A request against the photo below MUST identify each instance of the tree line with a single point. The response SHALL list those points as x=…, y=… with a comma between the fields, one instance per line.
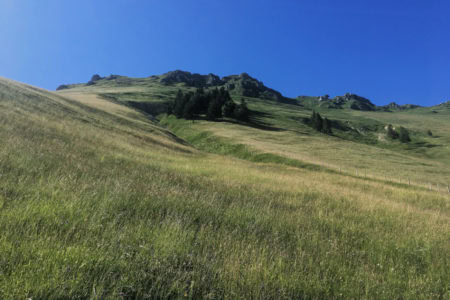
x=215, y=104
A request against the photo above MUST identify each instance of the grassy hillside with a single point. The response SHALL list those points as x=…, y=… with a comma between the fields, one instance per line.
x=100, y=200
x=359, y=144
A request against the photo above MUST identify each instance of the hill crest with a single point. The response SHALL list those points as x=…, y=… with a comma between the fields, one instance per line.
x=247, y=86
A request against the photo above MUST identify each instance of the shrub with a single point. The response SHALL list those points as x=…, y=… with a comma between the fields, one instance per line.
x=404, y=135
x=327, y=126
x=391, y=133
x=316, y=121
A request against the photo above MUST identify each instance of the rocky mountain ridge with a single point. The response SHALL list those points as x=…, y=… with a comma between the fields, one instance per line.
x=242, y=84
x=247, y=86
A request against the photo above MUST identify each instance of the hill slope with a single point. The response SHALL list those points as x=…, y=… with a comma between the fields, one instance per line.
x=359, y=139
x=98, y=200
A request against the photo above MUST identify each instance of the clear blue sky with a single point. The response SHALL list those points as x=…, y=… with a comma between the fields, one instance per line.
x=392, y=50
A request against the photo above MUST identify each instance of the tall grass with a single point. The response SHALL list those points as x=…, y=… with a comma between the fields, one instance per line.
x=97, y=205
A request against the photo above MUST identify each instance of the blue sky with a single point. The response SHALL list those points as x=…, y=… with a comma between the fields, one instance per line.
x=383, y=50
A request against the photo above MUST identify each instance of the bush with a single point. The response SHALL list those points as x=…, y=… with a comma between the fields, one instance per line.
x=316, y=121
x=327, y=126
x=404, y=135
x=320, y=124
x=391, y=133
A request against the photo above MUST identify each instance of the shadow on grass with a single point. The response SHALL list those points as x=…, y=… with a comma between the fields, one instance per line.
x=256, y=121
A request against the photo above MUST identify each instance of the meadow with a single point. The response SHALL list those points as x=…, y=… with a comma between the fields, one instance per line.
x=101, y=201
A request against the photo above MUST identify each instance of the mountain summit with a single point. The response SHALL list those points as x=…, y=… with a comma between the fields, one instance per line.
x=242, y=84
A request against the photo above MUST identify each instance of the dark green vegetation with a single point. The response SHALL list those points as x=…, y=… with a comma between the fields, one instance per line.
x=98, y=199
x=402, y=134
x=320, y=124
x=213, y=104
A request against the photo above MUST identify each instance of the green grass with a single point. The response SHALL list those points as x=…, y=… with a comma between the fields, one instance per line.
x=98, y=201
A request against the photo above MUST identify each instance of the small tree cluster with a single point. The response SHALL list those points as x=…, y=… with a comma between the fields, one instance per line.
x=214, y=104
x=320, y=124
x=391, y=133
x=402, y=134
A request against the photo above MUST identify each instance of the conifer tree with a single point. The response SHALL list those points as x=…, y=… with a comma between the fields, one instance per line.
x=242, y=112
x=214, y=109
x=316, y=121
x=319, y=122
x=190, y=108
x=228, y=109
x=170, y=109
x=313, y=119
x=404, y=135
x=200, y=91
x=180, y=102
x=391, y=133
x=327, y=126
x=175, y=103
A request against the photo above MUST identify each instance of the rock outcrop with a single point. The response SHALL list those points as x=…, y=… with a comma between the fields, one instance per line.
x=62, y=87
x=247, y=86
x=354, y=101
x=242, y=84
x=94, y=79
x=194, y=80
x=394, y=106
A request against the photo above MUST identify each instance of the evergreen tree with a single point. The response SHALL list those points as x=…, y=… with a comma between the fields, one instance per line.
x=317, y=121
x=175, y=107
x=180, y=102
x=213, y=94
x=327, y=126
x=170, y=109
x=203, y=103
x=313, y=119
x=214, y=104
x=242, y=112
x=228, y=109
x=222, y=90
x=214, y=109
x=225, y=95
x=391, y=133
x=200, y=91
x=190, y=108
x=320, y=124
x=404, y=135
